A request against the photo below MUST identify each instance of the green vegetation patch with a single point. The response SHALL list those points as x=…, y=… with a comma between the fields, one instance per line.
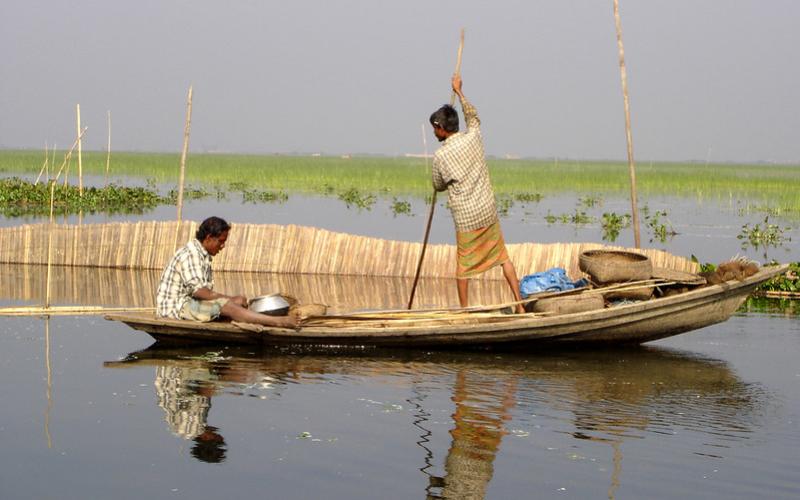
x=19, y=197
x=786, y=282
x=767, y=188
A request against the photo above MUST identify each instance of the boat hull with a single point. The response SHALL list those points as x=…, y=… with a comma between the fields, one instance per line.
x=634, y=323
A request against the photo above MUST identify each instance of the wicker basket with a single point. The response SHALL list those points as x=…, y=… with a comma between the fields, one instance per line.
x=569, y=304
x=613, y=266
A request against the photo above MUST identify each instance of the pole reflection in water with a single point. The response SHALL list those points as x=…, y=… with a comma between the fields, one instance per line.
x=605, y=397
x=49, y=390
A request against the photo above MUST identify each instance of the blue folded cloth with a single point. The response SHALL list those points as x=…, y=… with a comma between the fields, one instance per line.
x=552, y=280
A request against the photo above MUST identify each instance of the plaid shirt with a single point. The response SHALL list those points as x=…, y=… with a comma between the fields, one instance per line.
x=186, y=412
x=460, y=167
x=188, y=271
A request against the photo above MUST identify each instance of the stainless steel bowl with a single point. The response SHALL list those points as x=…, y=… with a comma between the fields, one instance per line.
x=273, y=304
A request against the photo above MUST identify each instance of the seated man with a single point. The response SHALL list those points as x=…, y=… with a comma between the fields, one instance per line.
x=186, y=288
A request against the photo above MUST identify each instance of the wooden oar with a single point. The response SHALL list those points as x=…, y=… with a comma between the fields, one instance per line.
x=433, y=197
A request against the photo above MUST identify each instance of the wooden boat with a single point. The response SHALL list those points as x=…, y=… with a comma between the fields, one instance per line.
x=626, y=323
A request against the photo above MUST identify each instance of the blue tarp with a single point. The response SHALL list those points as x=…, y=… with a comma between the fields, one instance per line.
x=552, y=280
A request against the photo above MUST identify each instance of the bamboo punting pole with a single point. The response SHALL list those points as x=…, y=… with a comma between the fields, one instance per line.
x=628, y=135
x=422, y=252
x=433, y=196
x=80, y=154
x=458, y=65
x=428, y=225
x=108, y=155
x=186, y=130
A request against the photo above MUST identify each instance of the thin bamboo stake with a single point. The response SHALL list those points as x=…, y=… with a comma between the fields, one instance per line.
x=44, y=165
x=186, y=130
x=628, y=135
x=80, y=154
x=53, y=161
x=50, y=227
x=49, y=245
x=108, y=155
x=66, y=171
x=68, y=156
x=69, y=310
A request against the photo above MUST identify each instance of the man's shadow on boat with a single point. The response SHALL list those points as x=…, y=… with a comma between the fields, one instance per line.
x=611, y=395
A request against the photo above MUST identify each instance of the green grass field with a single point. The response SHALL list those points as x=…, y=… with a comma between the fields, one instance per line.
x=773, y=187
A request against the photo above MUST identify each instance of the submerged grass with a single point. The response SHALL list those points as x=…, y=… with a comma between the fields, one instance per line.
x=760, y=187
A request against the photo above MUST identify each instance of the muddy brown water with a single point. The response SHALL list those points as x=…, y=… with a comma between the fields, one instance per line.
x=92, y=409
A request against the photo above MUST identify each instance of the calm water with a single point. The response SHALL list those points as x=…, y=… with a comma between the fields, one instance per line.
x=92, y=410
x=707, y=228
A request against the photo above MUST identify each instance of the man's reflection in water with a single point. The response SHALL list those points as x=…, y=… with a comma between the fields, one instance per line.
x=185, y=396
x=482, y=405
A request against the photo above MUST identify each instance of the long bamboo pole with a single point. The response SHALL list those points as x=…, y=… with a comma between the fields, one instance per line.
x=80, y=154
x=433, y=196
x=458, y=65
x=44, y=165
x=50, y=227
x=53, y=161
x=628, y=135
x=427, y=226
x=69, y=310
x=108, y=155
x=186, y=129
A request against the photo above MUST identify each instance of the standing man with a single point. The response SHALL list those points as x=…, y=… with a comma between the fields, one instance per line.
x=459, y=167
x=187, y=291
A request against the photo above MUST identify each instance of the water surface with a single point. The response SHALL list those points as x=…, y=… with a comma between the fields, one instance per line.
x=92, y=409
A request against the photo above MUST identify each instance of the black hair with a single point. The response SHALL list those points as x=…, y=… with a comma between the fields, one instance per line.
x=213, y=226
x=209, y=446
x=446, y=118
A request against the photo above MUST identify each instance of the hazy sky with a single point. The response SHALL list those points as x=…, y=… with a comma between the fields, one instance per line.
x=708, y=79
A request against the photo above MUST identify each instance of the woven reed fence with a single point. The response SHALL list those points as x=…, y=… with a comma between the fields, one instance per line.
x=108, y=287
x=272, y=248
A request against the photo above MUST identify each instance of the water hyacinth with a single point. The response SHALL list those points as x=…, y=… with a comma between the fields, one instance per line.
x=19, y=198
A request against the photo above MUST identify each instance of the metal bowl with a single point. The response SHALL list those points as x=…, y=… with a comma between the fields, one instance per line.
x=273, y=305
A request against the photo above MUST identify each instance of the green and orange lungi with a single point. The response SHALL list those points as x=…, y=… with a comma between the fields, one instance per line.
x=480, y=250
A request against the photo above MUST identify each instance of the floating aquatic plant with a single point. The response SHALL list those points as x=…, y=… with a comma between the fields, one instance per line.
x=612, y=224
x=401, y=207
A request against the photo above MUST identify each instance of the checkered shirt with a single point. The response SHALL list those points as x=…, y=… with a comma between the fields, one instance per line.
x=460, y=167
x=188, y=271
x=186, y=412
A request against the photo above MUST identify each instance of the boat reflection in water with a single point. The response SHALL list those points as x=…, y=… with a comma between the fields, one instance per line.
x=602, y=396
